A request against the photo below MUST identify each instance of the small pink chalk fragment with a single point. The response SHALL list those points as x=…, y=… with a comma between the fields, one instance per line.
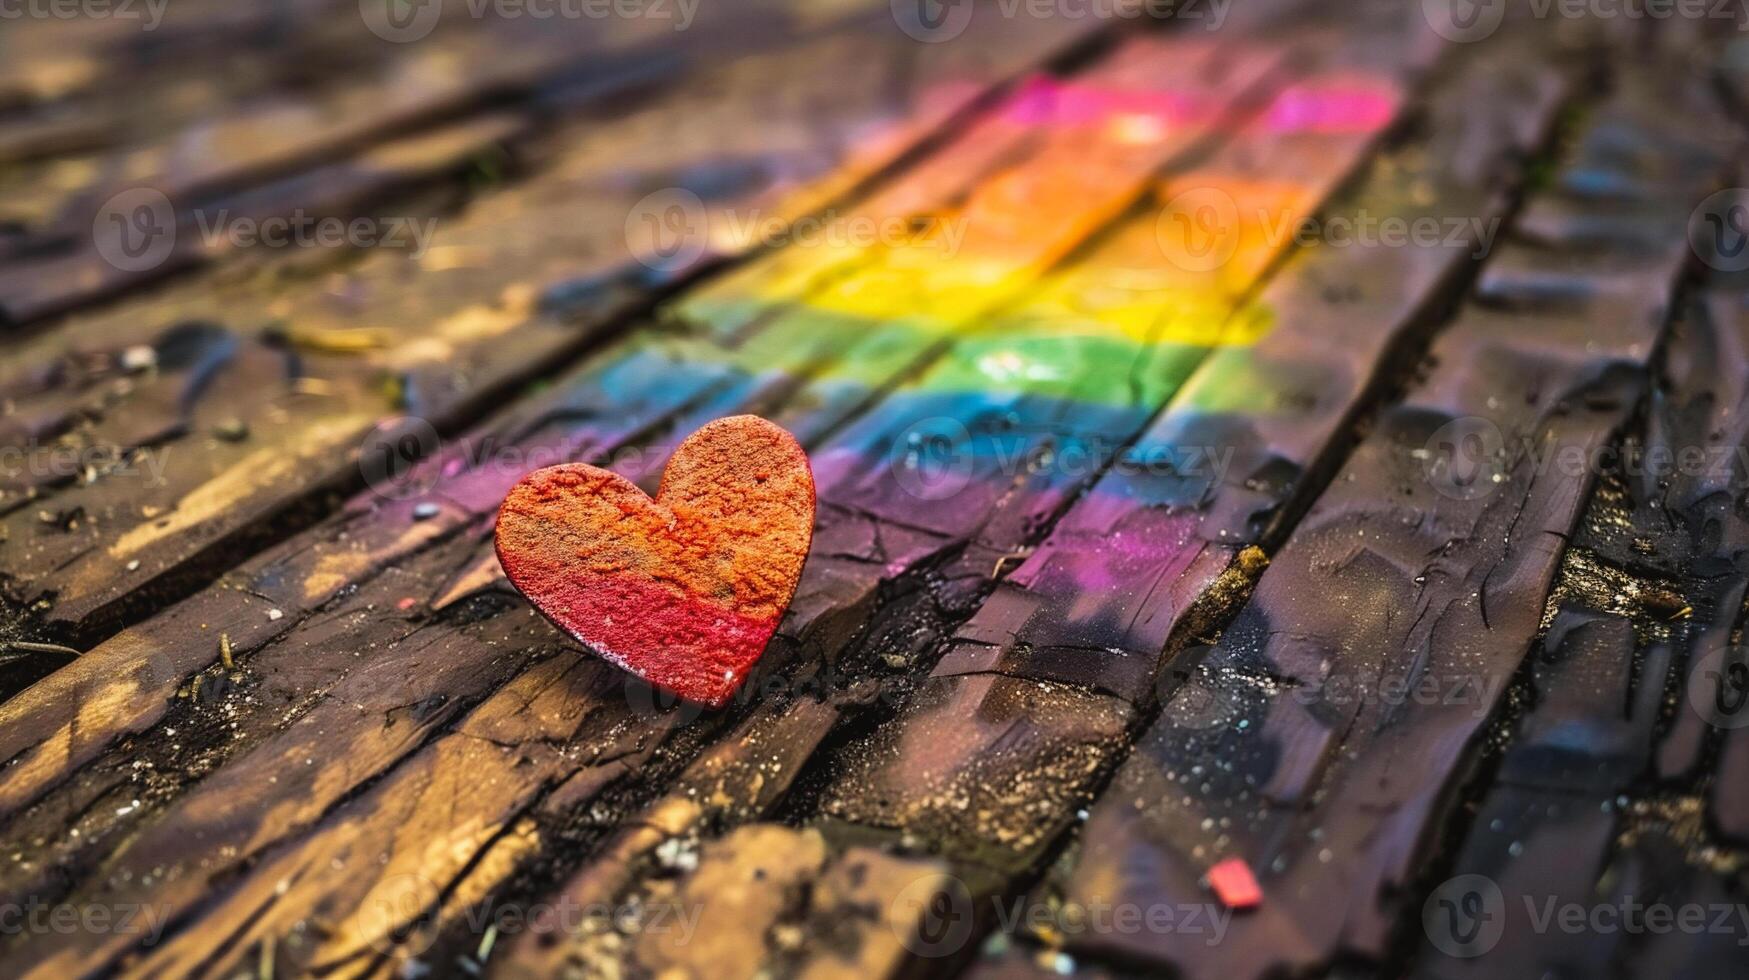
x=1234, y=884
x=406, y=603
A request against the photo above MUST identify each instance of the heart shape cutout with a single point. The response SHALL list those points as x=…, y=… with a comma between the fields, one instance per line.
x=683, y=590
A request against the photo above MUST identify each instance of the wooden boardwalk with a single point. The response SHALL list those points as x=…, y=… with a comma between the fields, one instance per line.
x=1311, y=436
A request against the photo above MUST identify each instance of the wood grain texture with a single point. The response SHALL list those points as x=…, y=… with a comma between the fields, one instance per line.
x=267, y=389
x=1626, y=680
x=624, y=394
x=1441, y=587
x=1172, y=507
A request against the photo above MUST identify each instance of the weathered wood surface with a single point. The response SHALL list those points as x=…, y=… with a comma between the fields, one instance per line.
x=1422, y=568
x=1141, y=490
x=1632, y=668
x=643, y=391
x=243, y=153
x=308, y=368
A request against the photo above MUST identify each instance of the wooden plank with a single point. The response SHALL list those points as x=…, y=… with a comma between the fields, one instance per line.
x=313, y=368
x=1045, y=626
x=46, y=280
x=46, y=61
x=1572, y=813
x=212, y=159
x=751, y=771
x=997, y=696
x=274, y=112
x=1439, y=580
x=1714, y=585
x=633, y=376
x=598, y=411
x=361, y=754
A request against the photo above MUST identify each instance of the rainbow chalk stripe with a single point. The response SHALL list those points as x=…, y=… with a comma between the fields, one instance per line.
x=1052, y=319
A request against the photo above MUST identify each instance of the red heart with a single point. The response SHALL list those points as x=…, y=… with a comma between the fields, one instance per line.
x=684, y=590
